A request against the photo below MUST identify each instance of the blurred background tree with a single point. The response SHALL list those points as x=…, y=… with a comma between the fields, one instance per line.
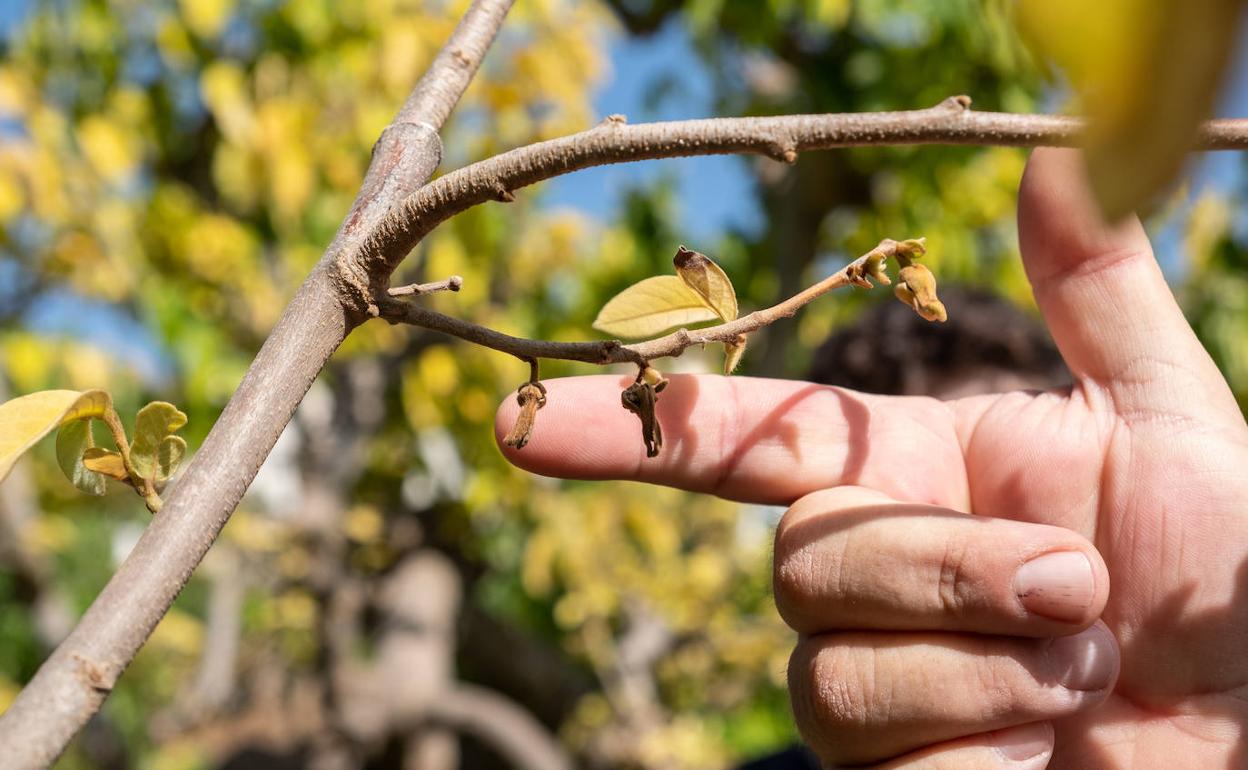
x=391, y=592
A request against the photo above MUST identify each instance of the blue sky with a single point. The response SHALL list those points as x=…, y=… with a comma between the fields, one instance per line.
x=715, y=191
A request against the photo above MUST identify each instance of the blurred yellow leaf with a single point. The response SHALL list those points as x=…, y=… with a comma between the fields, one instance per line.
x=173, y=42
x=179, y=632
x=206, y=17
x=439, y=372
x=832, y=13
x=224, y=87
x=8, y=691
x=12, y=196
x=26, y=419
x=1147, y=72
x=110, y=151
x=364, y=524
x=1210, y=220
x=50, y=533
x=652, y=306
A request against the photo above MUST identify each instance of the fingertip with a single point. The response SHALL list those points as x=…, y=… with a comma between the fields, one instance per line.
x=1059, y=222
x=1029, y=745
x=1022, y=747
x=1086, y=664
x=1069, y=585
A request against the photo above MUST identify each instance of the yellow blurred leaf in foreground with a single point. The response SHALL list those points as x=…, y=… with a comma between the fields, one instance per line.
x=1146, y=72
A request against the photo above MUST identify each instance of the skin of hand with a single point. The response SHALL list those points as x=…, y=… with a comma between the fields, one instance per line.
x=1019, y=580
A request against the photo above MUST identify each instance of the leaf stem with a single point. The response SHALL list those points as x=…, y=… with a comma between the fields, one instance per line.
x=145, y=488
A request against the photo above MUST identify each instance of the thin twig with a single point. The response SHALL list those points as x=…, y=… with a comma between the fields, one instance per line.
x=454, y=283
x=72, y=683
x=780, y=138
x=615, y=352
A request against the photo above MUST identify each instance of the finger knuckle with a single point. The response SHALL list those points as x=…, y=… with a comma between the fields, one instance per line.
x=811, y=579
x=810, y=573
x=955, y=587
x=839, y=697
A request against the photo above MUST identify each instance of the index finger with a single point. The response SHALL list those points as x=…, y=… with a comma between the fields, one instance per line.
x=748, y=439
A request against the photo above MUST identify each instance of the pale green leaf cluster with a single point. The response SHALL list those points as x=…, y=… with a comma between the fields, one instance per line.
x=153, y=457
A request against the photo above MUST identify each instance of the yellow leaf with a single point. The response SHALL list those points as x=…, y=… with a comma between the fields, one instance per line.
x=1147, y=72
x=106, y=462
x=26, y=419
x=709, y=280
x=652, y=306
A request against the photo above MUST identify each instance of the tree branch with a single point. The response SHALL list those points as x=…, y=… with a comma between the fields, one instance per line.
x=780, y=138
x=72, y=683
x=450, y=284
x=501, y=724
x=616, y=352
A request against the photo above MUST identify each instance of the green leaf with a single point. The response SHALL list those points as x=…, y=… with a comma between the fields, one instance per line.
x=169, y=457
x=652, y=306
x=74, y=440
x=25, y=420
x=700, y=273
x=156, y=452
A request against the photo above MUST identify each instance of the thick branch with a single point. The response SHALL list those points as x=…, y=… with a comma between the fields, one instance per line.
x=616, y=352
x=442, y=85
x=781, y=138
x=409, y=149
x=71, y=685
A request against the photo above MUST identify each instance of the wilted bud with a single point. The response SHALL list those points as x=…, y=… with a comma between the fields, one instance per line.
x=640, y=399
x=917, y=288
x=531, y=396
x=732, y=353
x=654, y=378
x=912, y=248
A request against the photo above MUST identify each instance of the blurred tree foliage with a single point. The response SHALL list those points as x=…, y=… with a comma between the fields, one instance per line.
x=184, y=163
x=1215, y=289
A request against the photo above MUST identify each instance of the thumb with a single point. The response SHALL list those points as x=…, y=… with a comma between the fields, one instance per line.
x=1106, y=302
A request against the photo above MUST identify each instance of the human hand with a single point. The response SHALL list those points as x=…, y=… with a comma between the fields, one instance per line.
x=948, y=566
